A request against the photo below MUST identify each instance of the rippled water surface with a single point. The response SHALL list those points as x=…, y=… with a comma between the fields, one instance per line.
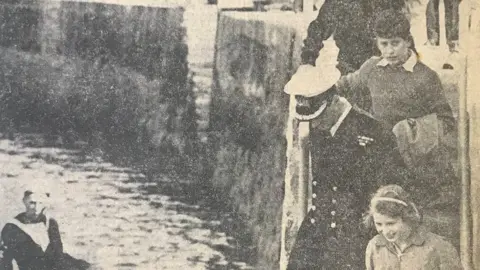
x=115, y=217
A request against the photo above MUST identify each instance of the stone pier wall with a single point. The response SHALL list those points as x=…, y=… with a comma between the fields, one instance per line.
x=117, y=71
x=255, y=56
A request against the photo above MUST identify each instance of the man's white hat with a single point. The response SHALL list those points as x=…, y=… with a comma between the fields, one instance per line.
x=310, y=81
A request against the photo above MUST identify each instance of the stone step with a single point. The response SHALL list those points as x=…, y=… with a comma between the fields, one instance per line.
x=202, y=71
x=200, y=21
x=203, y=82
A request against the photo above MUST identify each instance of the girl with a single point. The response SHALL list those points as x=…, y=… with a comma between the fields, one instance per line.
x=402, y=242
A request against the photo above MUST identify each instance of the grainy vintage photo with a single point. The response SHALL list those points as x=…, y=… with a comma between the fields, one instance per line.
x=239, y=134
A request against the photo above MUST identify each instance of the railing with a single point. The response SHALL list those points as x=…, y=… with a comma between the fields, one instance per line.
x=305, y=6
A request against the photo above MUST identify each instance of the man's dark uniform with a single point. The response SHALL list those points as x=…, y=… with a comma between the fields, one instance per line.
x=351, y=22
x=29, y=255
x=345, y=173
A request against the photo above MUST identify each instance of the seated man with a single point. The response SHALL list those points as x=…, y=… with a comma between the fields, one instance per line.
x=33, y=239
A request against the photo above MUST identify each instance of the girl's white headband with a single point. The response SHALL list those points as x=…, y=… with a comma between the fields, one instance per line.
x=388, y=199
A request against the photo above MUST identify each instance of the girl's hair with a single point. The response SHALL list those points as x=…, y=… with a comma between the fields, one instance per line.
x=393, y=201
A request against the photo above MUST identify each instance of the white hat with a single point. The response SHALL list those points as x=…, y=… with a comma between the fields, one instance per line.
x=310, y=81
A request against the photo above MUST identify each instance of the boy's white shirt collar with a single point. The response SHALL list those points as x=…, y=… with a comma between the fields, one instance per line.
x=408, y=65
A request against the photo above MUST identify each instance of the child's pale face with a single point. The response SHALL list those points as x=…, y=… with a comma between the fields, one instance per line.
x=393, y=229
x=394, y=50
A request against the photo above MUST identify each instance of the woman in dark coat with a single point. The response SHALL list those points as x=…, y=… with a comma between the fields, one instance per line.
x=33, y=240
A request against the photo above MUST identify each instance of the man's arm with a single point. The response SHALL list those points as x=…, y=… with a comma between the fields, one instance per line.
x=319, y=30
x=353, y=86
x=55, y=238
x=6, y=256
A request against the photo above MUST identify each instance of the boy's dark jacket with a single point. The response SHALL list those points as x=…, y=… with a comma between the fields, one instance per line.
x=351, y=22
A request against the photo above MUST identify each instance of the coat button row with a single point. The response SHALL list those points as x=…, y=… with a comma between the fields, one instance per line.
x=313, y=208
x=315, y=184
x=333, y=225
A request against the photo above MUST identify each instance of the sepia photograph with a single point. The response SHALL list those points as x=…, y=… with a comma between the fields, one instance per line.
x=239, y=134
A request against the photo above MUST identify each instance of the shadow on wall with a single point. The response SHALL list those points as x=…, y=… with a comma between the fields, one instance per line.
x=109, y=107
x=247, y=152
x=19, y=22
x=145, y=39
x=241, y=117
x=116, y=76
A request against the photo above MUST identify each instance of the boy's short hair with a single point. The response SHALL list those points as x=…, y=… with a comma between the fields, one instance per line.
x=392, y=24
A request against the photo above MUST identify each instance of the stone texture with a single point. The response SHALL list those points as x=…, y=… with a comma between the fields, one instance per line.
x=89, y=54
x=149, y=40
x=248, y=121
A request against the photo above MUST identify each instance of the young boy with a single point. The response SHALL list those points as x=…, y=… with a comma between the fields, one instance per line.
x=398, y=85
x=408, y=97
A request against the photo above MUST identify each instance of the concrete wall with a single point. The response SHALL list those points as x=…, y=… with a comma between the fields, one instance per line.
x=254, y=59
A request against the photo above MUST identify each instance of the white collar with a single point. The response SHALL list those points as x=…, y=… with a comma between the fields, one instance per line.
x=408, y=65
x=37, y=231
x=342, y=117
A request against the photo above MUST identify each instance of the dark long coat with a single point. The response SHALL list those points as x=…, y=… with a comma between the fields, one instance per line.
x=352, y=22
x=345, y=174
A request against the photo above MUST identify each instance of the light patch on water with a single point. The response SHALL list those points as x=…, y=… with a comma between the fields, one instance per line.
x=107, y=219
